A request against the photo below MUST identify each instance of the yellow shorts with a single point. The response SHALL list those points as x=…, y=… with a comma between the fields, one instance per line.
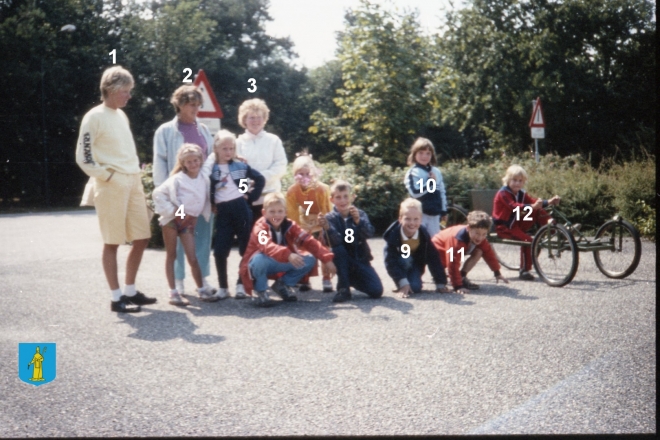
x=121, y=208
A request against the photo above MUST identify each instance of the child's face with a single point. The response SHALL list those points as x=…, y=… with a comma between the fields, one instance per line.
x=192, y=163
x=224, y=151
x=423, y=157
x=304, y=177
x=516, y=183
x=275, y=214
x=342, y=201
x=477, y=235
x=410, y=221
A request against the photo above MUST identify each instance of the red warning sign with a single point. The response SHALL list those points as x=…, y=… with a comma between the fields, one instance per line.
x=537, y=120
x=210, y=107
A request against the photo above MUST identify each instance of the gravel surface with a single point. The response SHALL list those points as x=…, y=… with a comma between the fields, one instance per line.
x=516, y=358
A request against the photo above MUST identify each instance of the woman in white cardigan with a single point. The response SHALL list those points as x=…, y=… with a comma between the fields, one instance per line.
x=169, y=137
x=263, y=151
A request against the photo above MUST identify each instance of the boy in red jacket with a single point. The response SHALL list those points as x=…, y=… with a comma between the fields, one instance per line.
x=515, y=212
x=279, y=248
x=466, y=244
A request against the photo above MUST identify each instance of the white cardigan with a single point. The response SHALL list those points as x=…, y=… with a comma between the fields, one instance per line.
x=166, y=201
x=265, y=153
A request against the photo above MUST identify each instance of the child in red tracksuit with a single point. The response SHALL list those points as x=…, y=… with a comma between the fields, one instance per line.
x=515, y=212
x=466, y=245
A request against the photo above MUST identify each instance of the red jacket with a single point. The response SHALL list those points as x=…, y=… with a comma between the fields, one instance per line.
x=459, y=238
x=505, y=202
x=297, y=241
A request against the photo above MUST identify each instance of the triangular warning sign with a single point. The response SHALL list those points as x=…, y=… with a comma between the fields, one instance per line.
x=537, y=120
x=210, y=107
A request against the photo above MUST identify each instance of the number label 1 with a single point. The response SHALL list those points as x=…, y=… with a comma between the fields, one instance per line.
x=309, y=206
x=262, y=237
x=114, y=56
x=450, y=251
x=429, y=188
x=243, y=188
x=179, y=213
x=405, y=250
x=349, y=238
x=187, y=78
x=527, y=209
x=253, y=83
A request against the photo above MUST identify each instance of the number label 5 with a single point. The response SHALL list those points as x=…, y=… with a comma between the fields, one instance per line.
x=243, y=188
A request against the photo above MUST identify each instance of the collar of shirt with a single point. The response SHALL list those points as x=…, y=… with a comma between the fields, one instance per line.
x=404, y=237
x=253, y=137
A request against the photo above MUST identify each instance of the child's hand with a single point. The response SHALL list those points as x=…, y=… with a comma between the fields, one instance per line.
x=554, y=201
x=353, y=211
x=537, y=205
x=444, y=218
x=241, y=158
x=322, y=221
x=214, y=208
x=405, y=291
x=330, y=268
x=297, y=260
x=501, y=278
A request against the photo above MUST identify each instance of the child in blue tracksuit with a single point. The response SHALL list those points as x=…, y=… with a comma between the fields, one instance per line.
x=408, y=249
x=231, y=201
x=424, y=182
x=347, y=228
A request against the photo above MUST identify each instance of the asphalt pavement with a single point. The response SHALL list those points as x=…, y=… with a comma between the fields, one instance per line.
x=507, y=359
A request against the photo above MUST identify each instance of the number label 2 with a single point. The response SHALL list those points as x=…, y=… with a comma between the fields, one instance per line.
x=527, y=209
x=187, y=78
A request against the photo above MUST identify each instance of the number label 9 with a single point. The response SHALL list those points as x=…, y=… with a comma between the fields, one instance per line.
x=263, y=237
x=405, y=250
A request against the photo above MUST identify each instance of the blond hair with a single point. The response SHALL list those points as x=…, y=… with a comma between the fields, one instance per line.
x=113, y=79
x=185, y=151
x=252, y=105
x=422, y=144
x=514, y=171
x=409, y=203
x=479, y=220
x=274, y=199
x=340, y=186
x=185, y=94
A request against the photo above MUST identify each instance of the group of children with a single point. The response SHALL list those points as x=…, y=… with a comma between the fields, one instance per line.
x=317, y=222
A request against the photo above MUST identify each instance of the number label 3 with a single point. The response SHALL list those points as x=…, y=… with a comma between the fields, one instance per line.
x=253, y=83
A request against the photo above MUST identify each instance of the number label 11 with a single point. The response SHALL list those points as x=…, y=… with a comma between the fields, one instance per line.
x=450, y=251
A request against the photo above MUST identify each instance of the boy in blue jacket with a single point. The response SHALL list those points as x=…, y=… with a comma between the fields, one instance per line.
x=408, y=250
x=347, y=228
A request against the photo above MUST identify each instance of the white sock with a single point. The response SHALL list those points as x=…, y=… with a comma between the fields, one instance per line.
x=173, y=291
x=129, y=290
x=205, y=283
x=179, y=285
x=116, y=294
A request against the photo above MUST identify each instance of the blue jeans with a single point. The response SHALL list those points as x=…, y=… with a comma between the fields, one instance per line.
x=261, y=266
x=354, y=273
x=413, y=274
x=203, y=233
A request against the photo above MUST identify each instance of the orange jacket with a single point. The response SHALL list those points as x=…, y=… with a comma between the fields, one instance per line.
x=297, y=241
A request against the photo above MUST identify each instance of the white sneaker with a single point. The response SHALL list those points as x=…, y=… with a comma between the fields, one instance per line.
x=327, y=286
x=177, y=300
x=240, y=292
x=221, y=293
x=178, y=285
x=206, y=294
x=206, y=284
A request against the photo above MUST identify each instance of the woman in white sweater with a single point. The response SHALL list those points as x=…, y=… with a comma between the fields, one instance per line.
x=263, y=151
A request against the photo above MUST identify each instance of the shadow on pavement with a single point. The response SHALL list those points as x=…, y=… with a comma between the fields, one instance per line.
x=164, y=326
x=606, y=284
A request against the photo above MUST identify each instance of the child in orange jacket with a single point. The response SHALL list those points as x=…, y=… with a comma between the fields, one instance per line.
x=466, y=245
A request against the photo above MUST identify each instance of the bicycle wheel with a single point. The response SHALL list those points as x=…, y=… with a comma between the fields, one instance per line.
x=456, y=215
x=623, y=258
x=507, y=254
x=555, y=255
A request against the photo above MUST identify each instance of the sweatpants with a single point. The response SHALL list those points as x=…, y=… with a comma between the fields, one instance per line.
x=232, y=218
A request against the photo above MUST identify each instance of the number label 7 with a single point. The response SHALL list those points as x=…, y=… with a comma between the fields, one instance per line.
x=308, y=207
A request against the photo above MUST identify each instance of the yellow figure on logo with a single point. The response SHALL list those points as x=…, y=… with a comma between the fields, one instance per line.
x=37, y=373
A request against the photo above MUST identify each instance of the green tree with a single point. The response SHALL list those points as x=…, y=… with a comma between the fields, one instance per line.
x=591, y=62
x=385, y=65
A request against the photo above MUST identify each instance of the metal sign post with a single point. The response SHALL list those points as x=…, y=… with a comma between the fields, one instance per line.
x=537, y=124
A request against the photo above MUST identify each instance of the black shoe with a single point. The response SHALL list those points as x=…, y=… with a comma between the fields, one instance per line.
x=470, y=285
x=526, y=276
x=123, y=306
x=263, y=300
x=305, y=287
x=140, y=299
x=283, y=291
x=342, y=295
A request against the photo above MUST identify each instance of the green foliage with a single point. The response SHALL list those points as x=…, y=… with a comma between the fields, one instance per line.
x=633, y=188
x=646, y=220
x=384, y=65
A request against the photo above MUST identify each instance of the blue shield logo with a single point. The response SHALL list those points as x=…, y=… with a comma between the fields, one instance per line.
x=37, y=362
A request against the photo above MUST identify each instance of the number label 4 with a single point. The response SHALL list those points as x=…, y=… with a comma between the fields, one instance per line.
x=179, y=213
